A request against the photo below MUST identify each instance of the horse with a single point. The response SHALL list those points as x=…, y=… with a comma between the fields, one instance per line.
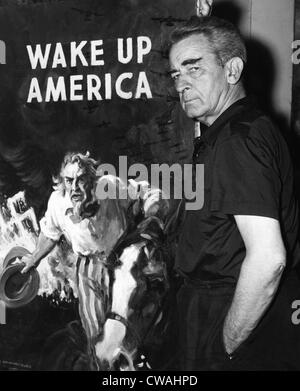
x=138, y=316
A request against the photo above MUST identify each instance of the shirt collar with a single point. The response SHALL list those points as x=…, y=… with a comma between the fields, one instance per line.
x=210, y=134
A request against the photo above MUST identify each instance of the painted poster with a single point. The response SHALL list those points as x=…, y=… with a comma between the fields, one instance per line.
x=88, y=77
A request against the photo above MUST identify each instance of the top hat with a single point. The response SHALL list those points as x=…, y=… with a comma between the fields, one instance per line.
x=17, y=289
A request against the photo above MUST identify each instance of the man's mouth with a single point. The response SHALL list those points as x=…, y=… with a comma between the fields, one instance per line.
x=76, y=197
x=187, y=101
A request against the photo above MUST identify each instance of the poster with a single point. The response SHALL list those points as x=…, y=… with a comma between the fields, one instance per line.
x=78, y=77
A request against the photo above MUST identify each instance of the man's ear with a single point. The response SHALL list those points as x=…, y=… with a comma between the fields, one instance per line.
x=234, y=68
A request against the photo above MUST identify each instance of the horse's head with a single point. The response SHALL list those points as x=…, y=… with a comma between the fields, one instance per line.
x=138, y=286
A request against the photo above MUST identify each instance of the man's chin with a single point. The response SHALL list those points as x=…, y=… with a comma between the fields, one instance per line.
x=194, y=113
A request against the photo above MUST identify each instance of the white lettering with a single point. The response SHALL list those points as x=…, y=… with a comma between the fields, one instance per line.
x=119, y=91
x=95, y=51
x=38, y=56
x=34, y=91
x=93, y=87
x=75, y=87
x=141, y=49
x=143, y=86
x=56, y=92
x=76, y=51
x=124, y=59
x=59, y=57
x=107, y=86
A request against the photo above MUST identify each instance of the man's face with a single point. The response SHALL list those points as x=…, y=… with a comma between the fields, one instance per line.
x=199, y=78
x=76, y=182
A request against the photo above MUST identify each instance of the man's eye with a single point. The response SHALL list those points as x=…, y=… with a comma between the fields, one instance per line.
x=194, y=69
x=82, y=179
x=175, y=76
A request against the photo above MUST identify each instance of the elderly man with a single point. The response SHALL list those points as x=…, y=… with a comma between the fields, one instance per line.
x=237, y=254
x=92, y=227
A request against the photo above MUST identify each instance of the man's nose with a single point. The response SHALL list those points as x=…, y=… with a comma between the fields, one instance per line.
x=182, y=84
x=74, y=184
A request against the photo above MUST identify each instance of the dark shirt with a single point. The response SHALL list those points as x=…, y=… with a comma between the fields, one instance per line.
x=247, y=171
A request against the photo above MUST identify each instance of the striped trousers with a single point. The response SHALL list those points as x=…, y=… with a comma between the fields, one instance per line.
x=93, y=294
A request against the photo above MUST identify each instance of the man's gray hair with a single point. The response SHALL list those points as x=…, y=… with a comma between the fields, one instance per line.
x=224, y=38
x=84, y=161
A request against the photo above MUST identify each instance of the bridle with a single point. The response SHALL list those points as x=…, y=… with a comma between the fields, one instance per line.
x=144, y=234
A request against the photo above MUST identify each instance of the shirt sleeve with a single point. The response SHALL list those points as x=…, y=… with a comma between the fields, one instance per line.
x=245, y=178
x=49, y=223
